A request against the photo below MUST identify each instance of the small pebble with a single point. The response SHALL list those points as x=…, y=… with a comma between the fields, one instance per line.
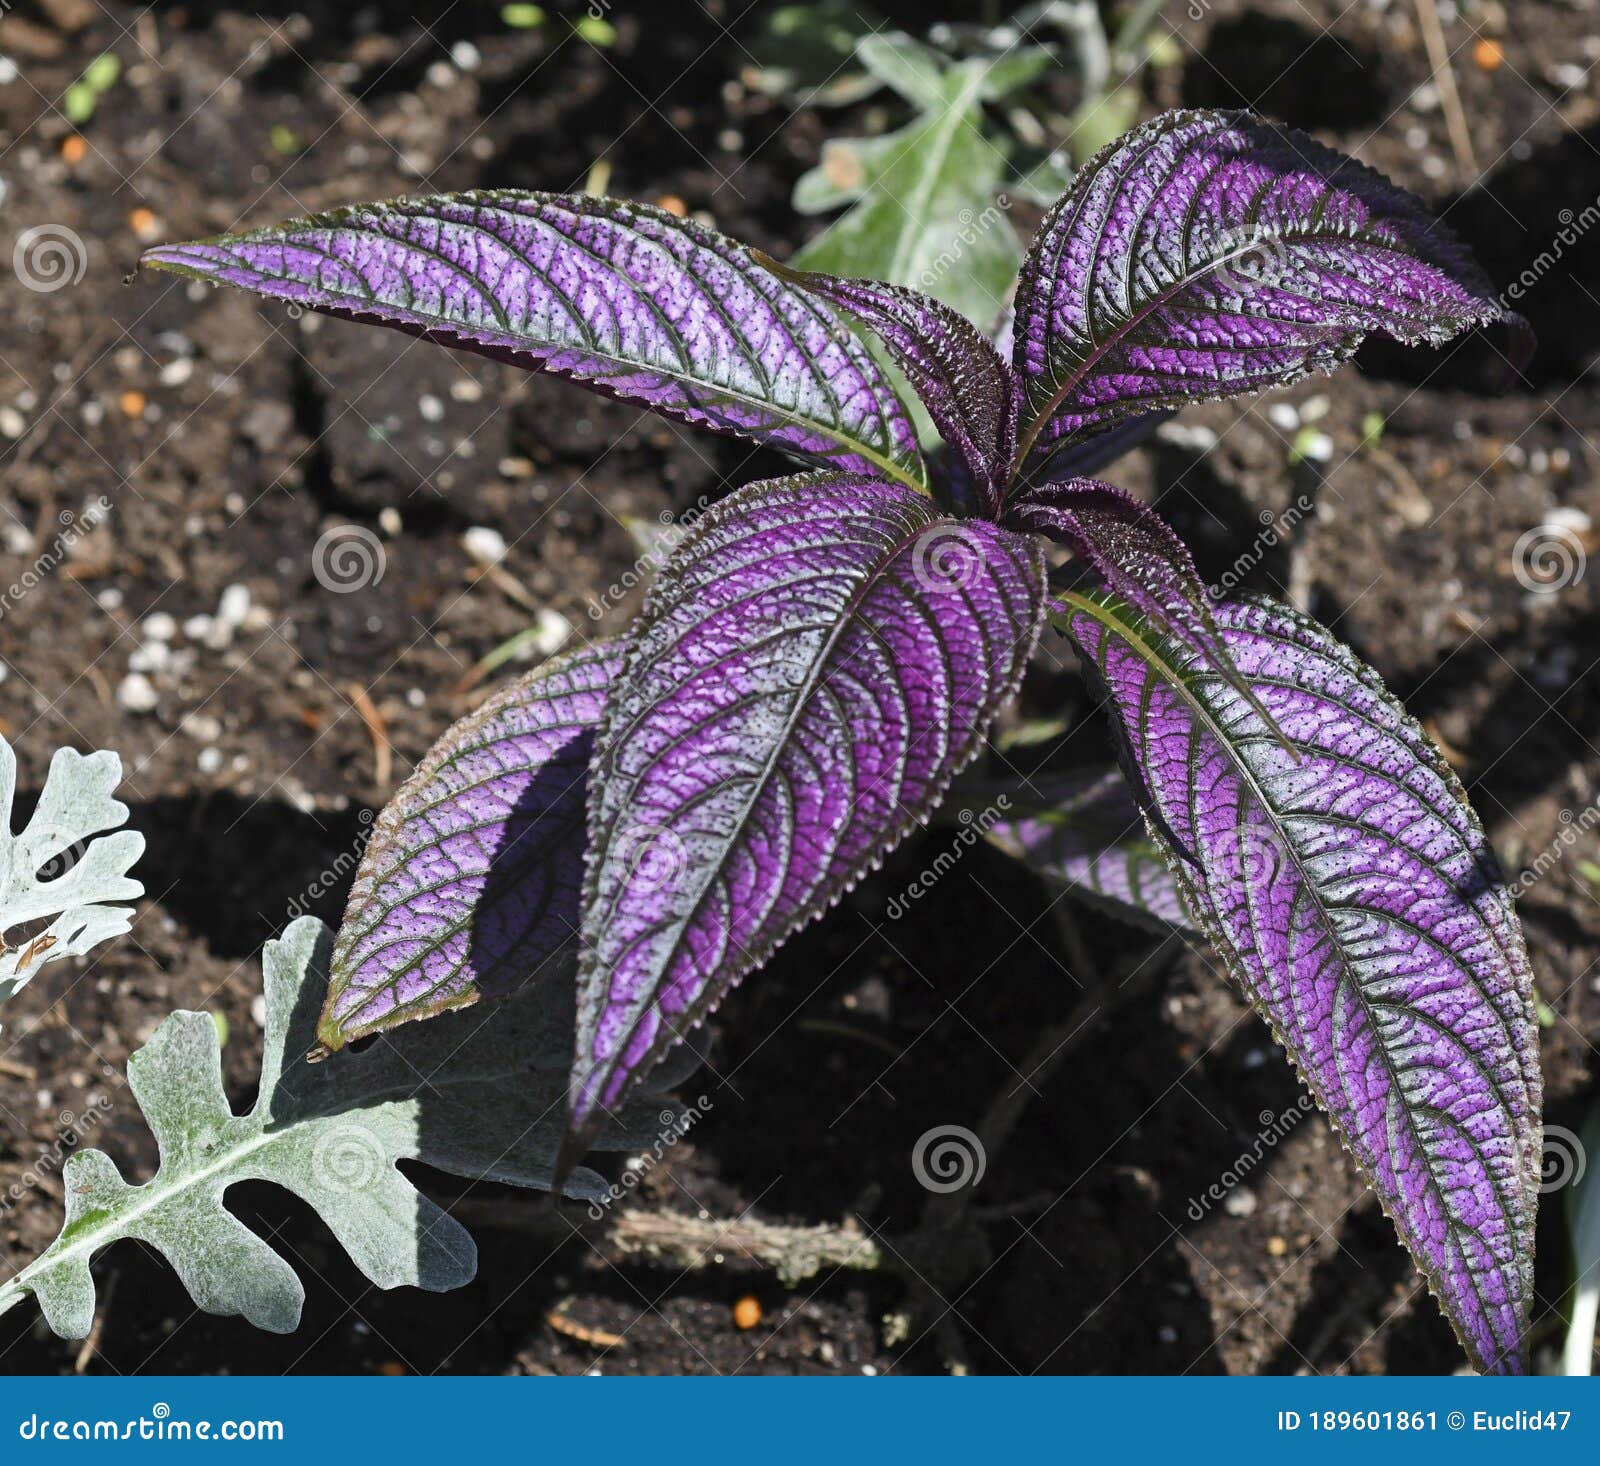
x=197, y=628
x=1318, y=447
x=430, y=407
x=1283, y=415
x=12, y=423
x=202, y=727
x=176, y=373
x=389, y=520
x=231, y=612
x=137, y=694
x=1569, y=517
x=464, y=389
x=747, y=1312
x=158, y=626
x=1192, y=438
x=1276, y=1247
x=155, y=656
x=551, y=632
x=1240, y=1203
x=486, y=546
x=209, y=760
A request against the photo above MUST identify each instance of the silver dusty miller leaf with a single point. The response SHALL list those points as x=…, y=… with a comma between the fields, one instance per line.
x=56, y=871
x=480, y=1097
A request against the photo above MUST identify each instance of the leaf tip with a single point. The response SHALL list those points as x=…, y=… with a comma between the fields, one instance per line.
x=777, y=267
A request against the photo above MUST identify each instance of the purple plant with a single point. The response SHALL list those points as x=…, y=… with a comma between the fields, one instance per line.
x=824, y=653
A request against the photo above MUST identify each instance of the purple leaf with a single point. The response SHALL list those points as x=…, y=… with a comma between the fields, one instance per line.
x=1131, y=551
x=1089, y=455
x=470, y=883
x=1210, y=253
x=1355, y=900
x=813, y=666
x=625, y=298
x=1094, y=843
x=960, y=378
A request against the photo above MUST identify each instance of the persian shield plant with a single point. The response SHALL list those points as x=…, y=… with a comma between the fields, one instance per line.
x=823, y=653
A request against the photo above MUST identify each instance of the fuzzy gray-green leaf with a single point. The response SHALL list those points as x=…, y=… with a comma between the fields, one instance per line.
x=477, y=1098
x=36, y=880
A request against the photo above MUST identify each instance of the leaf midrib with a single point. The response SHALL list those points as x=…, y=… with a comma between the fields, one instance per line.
x=1100, y=348
x=1154, y=657
x=759, y=783
x=428, y=321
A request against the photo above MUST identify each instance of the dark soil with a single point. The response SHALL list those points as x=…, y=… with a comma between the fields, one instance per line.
x=250, y=433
